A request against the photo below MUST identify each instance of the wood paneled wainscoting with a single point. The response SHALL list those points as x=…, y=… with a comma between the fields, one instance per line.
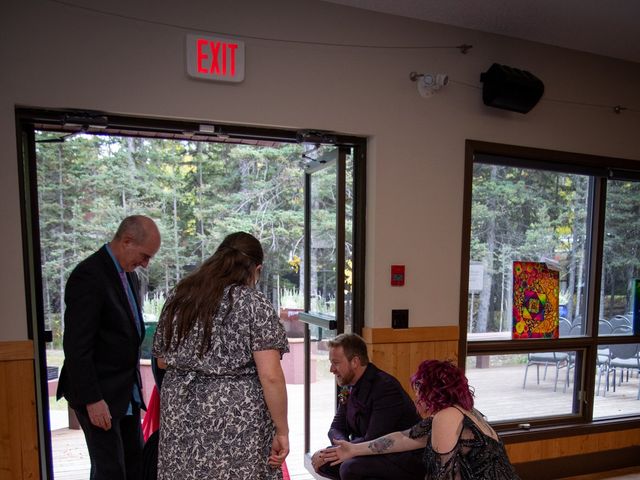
x=555, y=458
x=400, y=351
x=18, y=430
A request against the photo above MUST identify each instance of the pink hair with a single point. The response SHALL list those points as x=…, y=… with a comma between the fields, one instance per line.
x=440, y=385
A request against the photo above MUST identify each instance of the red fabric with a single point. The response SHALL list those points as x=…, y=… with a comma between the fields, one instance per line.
x=151, y=420
x=285, y=471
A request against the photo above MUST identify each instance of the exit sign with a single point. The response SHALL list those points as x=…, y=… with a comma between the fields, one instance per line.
x=215, y=58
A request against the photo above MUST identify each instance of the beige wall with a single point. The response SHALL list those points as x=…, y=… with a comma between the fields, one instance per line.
x=54, y=55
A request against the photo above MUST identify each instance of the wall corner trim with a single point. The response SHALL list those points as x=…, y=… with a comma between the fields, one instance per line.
x=410, y=335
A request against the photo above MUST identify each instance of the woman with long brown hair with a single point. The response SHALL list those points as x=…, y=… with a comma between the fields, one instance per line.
x=224, y=401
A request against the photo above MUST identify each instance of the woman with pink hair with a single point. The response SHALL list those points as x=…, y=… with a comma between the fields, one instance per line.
x=458, y=442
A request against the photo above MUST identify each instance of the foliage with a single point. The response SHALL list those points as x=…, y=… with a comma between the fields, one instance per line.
x=197, y=192
x=294, y=299
x=537, y=215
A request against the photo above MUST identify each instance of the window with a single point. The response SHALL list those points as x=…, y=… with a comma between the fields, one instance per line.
x=579, y=218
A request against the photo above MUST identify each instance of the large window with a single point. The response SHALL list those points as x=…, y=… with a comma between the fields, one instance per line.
x=579, y=218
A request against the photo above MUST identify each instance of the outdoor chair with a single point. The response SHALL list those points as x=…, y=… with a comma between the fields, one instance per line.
x=557, y=359
x=577, y=320
x=576, y=330
x=624, y=357
x=604, y=327
x=604, y=356
x=620, y=321
x=622, y=330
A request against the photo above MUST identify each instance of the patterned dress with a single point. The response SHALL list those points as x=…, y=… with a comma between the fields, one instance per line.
x=214, y=422
x=476, y=456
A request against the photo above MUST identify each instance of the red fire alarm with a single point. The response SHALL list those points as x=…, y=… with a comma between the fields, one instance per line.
x=397, y=275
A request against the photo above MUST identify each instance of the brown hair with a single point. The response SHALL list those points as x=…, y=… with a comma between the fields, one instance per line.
x=195, y=300
x=353, y=345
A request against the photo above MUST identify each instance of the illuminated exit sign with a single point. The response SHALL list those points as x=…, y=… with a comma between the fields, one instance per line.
x=215, y=58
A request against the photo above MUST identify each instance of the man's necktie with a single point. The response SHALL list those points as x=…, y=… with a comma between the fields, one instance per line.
x=132, y=300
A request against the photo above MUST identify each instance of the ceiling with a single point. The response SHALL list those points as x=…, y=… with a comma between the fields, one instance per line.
x=610, y=28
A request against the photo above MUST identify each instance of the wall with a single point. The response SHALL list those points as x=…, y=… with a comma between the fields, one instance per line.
x=56, y=55
x=81, y=58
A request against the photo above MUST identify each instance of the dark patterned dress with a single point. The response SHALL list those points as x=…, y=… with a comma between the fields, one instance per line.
x=214, y=422
x=476, y=456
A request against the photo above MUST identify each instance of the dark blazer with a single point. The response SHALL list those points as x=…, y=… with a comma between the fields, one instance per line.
x=376, y=406
x=101, y=342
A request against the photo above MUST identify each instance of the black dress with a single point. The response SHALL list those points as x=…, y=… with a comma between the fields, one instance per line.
x=476, y=455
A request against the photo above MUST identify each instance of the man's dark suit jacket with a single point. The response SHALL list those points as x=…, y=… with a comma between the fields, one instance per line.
x=376, y=406
x=101, y=341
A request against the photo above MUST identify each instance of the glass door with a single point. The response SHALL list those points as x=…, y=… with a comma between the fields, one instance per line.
x=60, y=230
x=327, y=280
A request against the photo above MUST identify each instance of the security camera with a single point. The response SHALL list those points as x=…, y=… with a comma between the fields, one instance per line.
x=428, y=83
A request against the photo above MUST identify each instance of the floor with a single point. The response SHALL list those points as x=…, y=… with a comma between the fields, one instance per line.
x=71, y=460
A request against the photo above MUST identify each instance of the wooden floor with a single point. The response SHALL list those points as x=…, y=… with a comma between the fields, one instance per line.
x=499, y=391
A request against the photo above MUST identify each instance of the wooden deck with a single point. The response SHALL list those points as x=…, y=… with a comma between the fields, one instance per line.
x=498, y=390
x=499, y=394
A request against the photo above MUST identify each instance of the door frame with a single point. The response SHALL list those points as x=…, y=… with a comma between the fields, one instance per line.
x=28, y=120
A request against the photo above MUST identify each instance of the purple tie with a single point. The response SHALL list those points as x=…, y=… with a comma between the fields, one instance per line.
x=129, y=293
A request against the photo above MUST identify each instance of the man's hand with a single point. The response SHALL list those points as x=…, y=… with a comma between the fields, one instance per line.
x=318, y=460
x=342, y=451
x=99, y=414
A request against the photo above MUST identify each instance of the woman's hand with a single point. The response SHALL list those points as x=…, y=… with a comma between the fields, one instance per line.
x=161, y=363
x=342, y=451
x=279, y=450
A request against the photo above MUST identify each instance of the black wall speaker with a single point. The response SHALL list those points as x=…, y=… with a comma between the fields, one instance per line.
x=510, y=88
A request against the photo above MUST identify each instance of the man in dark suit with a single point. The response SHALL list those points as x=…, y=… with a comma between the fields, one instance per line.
x=371, y=403
x=103, y=332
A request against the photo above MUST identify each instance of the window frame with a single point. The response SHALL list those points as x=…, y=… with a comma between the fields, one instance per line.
x=599, y=169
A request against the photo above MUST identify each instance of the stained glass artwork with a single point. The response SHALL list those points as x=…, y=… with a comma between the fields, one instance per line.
x=535, y=300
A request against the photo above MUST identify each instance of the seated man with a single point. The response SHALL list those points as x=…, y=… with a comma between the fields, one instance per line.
x=371, y=403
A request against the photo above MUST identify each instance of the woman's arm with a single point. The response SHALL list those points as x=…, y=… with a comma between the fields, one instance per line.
x=391, y=443
x=275, y=394
x=447, y=425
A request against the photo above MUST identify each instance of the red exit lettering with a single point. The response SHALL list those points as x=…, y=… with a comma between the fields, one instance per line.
x=216, y=57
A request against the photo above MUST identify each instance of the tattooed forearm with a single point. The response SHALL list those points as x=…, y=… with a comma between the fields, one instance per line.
x=381, y=445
